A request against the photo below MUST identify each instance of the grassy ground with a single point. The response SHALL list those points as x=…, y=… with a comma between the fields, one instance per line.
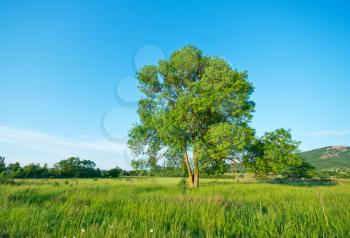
x=157, y=207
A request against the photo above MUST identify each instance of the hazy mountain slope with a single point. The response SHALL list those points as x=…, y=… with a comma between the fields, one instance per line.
x=329, y=157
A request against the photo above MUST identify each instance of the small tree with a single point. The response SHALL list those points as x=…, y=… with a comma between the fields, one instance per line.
x=15, y=170
x=2, y=164
x=74, y=167
x=68, y=167
x=35, y=171
x=115, y=172
x=300, y=170
x=277, y=153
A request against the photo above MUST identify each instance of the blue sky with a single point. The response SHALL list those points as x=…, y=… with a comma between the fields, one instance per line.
x=67, y=69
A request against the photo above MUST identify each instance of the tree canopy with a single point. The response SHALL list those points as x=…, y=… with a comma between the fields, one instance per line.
x=277, y=153
x=193, y=104
x=72, y=167
x=2, y=164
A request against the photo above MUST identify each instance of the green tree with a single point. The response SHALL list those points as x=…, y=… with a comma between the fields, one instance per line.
x=74, y=167
x=15, y=170
x=2, y=164
x=192, y=104
x=300, y=170
x=35, y=171
x=68, y=167
x=115, y=172
x=277, y=153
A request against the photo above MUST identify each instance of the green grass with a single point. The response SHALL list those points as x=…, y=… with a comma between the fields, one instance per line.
x=136, y=207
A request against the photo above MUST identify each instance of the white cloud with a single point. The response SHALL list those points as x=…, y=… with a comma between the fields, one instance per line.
x=326, y=133
x=28, y=146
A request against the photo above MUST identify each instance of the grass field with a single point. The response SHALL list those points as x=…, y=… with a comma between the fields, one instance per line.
x=157, y=207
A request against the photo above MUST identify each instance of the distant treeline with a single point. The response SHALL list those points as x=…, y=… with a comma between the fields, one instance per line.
x=74, y=167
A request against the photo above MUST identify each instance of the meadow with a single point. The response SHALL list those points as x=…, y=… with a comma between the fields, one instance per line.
x=159, y=207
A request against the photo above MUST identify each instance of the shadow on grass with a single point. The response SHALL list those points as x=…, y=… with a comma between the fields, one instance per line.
x=33, y=196
x=299, y=182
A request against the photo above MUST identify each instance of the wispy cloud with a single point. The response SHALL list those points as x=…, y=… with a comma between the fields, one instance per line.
x=103, y=152
x=325, y=133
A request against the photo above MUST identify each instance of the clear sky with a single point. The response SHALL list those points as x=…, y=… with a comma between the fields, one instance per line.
x=67, y=69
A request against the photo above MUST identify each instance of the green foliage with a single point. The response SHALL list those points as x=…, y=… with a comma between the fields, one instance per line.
x=299, y=170
x=192, y=103
x=277, y=153
x=334, y=173
x=6, y=180
x=2, y=164
x=14, y=170
x=35, y=171
x=132, y=207
x=74, y=167
x=114, y=173
x=214, y=167
x=139, y=166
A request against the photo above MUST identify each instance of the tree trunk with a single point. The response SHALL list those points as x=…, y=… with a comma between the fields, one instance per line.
x=189, y=170
x=196, y=168
x=196, y=177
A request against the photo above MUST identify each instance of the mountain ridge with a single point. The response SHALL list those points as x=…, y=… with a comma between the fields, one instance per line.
x=329, y=157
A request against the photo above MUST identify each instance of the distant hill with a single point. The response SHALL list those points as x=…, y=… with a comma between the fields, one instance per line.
x=329, y=157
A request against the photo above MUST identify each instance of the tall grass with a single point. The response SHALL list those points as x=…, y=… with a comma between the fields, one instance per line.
x=157, y=207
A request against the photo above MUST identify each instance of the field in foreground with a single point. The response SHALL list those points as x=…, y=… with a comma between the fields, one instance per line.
x=157, y=207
